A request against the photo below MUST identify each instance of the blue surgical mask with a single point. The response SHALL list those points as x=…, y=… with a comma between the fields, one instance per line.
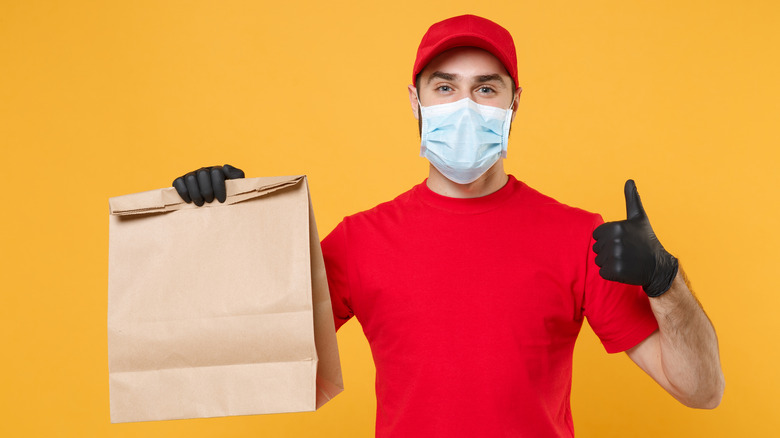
x=464, y=139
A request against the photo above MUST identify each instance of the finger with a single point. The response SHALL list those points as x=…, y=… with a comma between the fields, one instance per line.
x=633, y=202
x=600, y=260
x=599, y=245
x=607, y=231
x=218, y=183
x=232, y=172
x=598, y=233
x=605, y=259
x=607, y=273
x=181, y=188
x=192, y=188
x=204, y=182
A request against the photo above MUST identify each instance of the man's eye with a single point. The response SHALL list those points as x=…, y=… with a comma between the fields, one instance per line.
x=485, y=90
x=445, y=88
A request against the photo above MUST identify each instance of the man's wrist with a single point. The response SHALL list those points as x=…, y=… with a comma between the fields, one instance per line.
x=665, y=272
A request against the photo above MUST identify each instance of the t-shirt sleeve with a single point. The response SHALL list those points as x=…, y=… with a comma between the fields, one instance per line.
x=335, y=250
x=618, y=313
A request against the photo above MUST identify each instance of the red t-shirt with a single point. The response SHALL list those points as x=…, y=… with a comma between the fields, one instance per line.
x=472, y=307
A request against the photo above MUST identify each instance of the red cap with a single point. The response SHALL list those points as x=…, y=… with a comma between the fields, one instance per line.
x=467, y=31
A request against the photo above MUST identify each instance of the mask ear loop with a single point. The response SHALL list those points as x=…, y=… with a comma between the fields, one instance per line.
x=507, y=125
x=423, y=125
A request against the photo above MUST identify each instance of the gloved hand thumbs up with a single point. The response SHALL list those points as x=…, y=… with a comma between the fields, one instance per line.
x=629, y=252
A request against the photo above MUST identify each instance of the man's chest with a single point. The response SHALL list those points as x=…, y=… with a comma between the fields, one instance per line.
x=456, y=278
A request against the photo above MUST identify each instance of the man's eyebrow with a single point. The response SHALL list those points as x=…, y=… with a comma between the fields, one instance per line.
x=442, y=75
x=454, y=77
x=489, y=78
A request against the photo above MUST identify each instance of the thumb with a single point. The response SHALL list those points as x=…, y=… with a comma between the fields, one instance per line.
x=231, y=172
x=634, y=207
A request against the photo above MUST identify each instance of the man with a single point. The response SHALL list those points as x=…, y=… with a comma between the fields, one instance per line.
x=472, y=287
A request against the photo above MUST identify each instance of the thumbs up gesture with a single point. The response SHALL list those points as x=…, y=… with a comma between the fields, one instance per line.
x=628, y=251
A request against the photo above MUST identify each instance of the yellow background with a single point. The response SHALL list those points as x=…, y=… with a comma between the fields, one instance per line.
x=100, y=99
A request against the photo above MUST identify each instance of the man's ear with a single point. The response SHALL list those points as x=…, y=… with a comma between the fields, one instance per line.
x=516, y=102
x=413, y=101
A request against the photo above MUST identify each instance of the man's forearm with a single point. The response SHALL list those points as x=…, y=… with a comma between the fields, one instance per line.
x=688, y=347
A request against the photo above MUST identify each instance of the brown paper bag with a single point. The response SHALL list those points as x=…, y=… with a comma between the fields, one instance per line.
x=221, y=309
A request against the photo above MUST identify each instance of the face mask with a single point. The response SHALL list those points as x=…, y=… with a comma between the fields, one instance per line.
x=464, y=139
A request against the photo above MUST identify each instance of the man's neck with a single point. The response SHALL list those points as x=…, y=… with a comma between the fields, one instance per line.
x=491, y=181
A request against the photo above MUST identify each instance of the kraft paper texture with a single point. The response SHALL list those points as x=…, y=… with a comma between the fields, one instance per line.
x=218, y=310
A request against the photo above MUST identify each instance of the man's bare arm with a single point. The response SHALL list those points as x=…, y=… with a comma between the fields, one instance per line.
x=682, y=356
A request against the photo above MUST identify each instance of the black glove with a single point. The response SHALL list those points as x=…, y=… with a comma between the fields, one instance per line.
x=629, y=252
x=206, y=183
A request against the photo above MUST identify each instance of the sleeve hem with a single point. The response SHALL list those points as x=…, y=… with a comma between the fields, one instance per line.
x=631, y=339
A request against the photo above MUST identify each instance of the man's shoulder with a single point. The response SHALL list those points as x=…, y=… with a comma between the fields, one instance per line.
x=385, y=209
x=548, y=208
x=542, y=200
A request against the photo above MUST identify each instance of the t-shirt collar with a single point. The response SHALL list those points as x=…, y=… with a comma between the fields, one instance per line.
x=466, y=205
